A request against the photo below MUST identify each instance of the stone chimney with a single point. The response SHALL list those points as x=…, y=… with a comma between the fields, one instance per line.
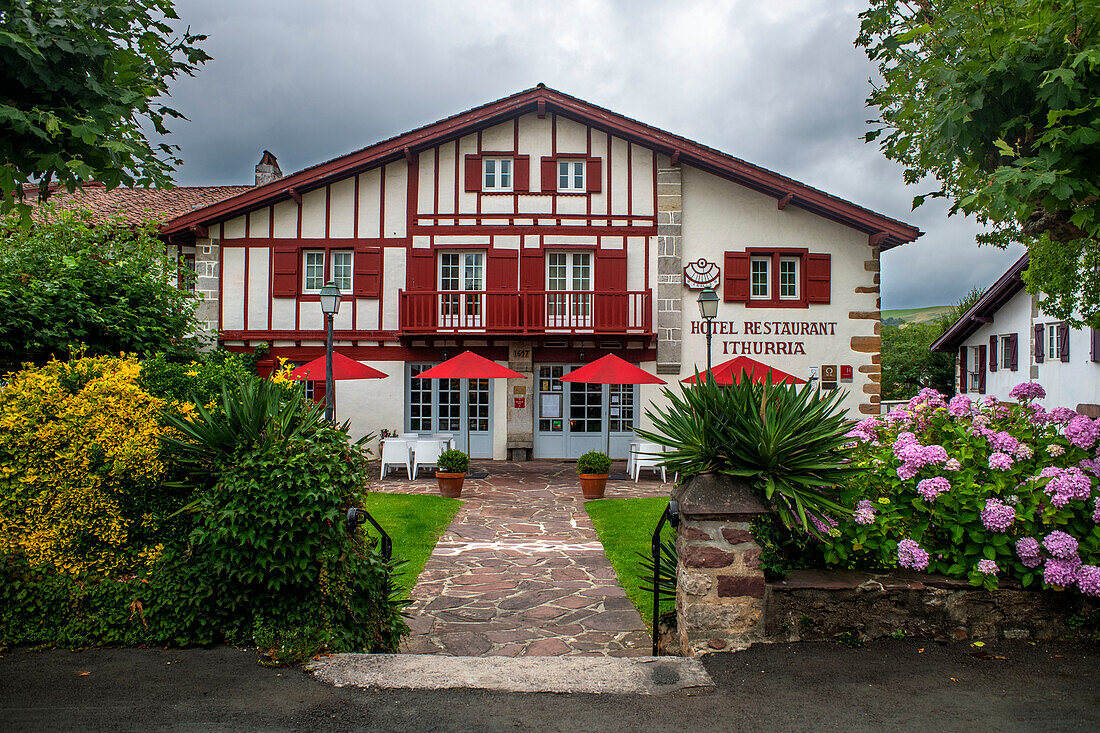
x=267, y=170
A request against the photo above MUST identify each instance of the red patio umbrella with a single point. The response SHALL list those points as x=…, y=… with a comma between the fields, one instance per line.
x=729, y=372
x=611, y=369
x=468, y=365
x=343, y=367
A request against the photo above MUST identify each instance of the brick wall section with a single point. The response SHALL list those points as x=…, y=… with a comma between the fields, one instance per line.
x=670, y=269
x=871, y=345
x=720, y=583
x=207, y=262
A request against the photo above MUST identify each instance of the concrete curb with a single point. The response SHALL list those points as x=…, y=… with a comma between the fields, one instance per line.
x=593, y=675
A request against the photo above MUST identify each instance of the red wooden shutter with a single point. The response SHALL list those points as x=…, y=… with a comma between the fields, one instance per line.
x=1039, y=346
x=473, y=172
x=532, y=278
x=521, y=180
x=962, y=370
x=992, y=353
x=736, y=287
x=368, y=272
x=611, y=301
x=593, y=175
x=284, y=276
x=421, y=270
x=549, y=175
x=1013, y=351
x=981, y=369
x=502, y=270
x=818, y=275
x=1094, y=344
x=1063, y=341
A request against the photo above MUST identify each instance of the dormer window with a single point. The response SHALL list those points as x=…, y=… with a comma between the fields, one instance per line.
x=496, y=174
x=571, y=176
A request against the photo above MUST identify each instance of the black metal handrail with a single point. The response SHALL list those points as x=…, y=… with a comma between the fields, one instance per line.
x=355, y=518
x=671, y=514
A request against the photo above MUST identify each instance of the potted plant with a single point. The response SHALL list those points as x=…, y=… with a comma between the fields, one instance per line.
x=450, y=472
x=592, y=469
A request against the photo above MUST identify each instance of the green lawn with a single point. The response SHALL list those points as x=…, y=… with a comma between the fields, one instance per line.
x=625, y=527
x=414, y=522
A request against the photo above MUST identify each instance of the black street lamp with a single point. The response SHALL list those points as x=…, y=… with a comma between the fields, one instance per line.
x=330, y=303
x=708, y=309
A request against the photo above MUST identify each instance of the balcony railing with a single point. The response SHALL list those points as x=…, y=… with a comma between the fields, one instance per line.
x=545, y=311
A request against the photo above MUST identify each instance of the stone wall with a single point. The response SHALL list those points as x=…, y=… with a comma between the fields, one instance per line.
x=670, y=269
x=811, y=605
x=208, y=287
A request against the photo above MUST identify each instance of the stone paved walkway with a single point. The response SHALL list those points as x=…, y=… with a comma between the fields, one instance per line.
x=520, y=572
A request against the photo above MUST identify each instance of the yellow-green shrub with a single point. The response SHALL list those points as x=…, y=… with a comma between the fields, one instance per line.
x=81, y=467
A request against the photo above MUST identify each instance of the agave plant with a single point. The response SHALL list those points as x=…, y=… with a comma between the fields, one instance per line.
x=666, y=570
x=255, y=413
x=787, y=441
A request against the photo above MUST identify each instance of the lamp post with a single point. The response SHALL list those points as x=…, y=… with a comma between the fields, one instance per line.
x=330, y=303
x=708, y=309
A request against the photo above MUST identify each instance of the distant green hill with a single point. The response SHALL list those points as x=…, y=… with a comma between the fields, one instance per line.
x=914, y=315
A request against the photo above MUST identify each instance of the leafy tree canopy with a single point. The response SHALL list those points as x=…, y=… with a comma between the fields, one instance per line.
x=111, y=288
x=999, y=101
x=81, y=79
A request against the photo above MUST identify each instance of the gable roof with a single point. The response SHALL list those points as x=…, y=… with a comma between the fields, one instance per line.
x=882, y=230
x=984, y=308
x=138, y=204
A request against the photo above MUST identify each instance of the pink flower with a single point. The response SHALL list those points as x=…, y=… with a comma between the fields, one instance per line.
x=1000, y=461
x=960, y=406
x=988, y=567
x=1088, y=580
x=1091, y=466
x=1055, y=450
x=1029, y=552
x=1062, y=414
x=1096, y=510
x=1024, y=452
x=1027, y=391
x=1082, y=431
x=1065, y=485
x=864, y=513
x=1004, y=442
x=1062, y=573
x=998, y=516
x=952, y=465
x=1060, y=545
x=930, y=488
x=911, y=556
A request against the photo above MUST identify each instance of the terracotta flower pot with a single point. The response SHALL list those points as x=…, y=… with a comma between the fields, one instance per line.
x=450, y=484
x=593, y=485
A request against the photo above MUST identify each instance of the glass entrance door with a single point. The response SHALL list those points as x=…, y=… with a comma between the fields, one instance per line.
x=569, y=280
x=441, y=405
x=570, y=416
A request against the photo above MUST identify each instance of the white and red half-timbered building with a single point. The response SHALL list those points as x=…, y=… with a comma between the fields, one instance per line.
x=541, y=231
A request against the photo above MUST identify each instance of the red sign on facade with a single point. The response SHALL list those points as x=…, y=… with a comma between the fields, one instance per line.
x=520, y=402
x=846, y=373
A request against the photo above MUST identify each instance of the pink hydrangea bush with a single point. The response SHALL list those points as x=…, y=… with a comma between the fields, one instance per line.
x=976, y=489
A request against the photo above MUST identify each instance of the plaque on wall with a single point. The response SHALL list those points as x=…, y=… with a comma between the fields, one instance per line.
x=550, y=405
x=828, y=374
x=701, y=274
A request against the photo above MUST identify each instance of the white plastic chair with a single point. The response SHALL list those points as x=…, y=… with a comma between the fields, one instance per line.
x=426, y=454
x=409, y=436
x=648, y=457
x=631, y=451
x=448, y=438
x=395, y=452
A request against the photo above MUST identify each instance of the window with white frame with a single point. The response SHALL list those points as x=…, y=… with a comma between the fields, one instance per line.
x=313, y=270
x=496, y=174
x=976, y=368
x=1052, y=341
x=341, y=269
x=1006, y=352
x=571, y=176
x=760, y=277
x=788, y=278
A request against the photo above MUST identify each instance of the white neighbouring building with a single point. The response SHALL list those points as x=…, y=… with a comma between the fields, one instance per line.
x=1005, y=339
x=543, y=232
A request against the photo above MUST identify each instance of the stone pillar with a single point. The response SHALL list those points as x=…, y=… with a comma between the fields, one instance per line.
x=720, y=581
x=207, y=256
x=670, y=268
x=521, y=419
x=872, y=344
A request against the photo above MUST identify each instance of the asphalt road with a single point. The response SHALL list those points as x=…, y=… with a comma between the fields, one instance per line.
x=885, y=686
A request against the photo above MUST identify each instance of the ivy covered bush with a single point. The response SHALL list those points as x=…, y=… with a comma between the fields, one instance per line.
x=126, y=518
x=978, y=490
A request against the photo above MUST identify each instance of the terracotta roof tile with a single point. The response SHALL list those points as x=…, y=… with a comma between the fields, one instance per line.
x=137, y=204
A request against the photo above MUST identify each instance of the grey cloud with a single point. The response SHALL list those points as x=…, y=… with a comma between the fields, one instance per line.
x=779, y=84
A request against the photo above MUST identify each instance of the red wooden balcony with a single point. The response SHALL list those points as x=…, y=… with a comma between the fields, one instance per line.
x=545, y=311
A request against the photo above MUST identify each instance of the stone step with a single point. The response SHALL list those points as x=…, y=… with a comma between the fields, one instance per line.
x=594, y=675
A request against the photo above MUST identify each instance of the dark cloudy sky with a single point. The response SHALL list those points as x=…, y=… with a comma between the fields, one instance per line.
x=777, y=83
